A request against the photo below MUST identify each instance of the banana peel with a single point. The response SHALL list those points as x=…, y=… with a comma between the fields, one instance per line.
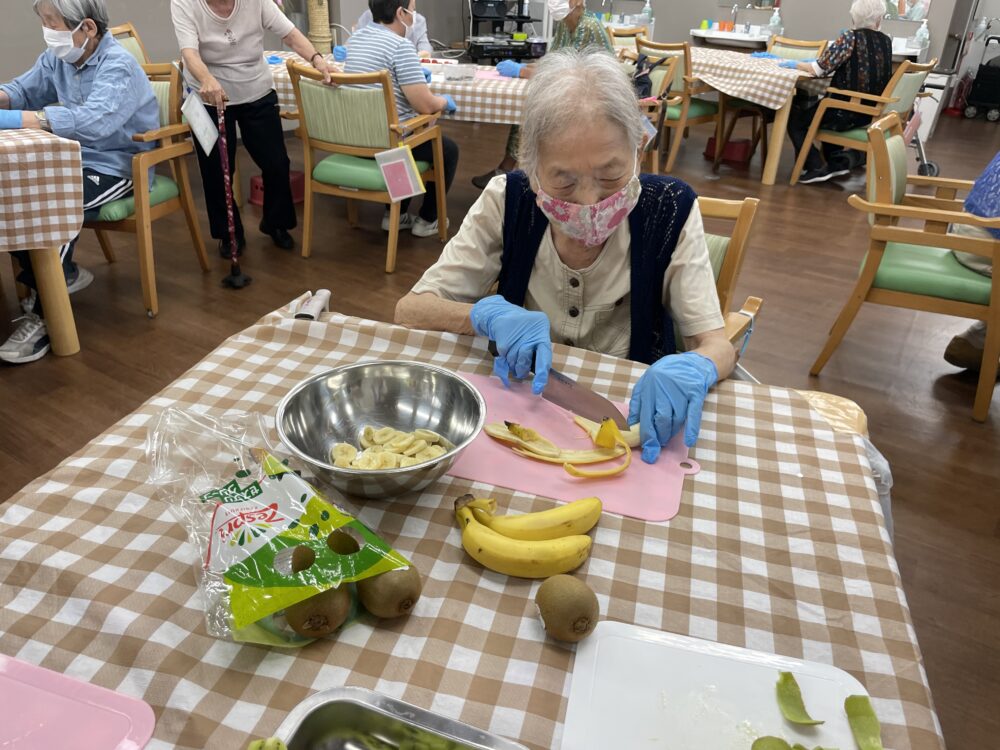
x=608, y=441
x=526, y=438
x=592, y=428
x=608, y=437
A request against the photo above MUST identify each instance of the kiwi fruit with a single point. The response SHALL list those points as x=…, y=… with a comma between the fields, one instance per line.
x=342, y=543
x=391, y=594
x=320, y=615
x=302, y=558
x=568, y=608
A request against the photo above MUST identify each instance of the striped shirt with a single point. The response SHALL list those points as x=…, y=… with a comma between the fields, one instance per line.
x=375, y=48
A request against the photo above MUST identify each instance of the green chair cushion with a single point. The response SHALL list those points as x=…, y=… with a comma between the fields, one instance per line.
x=698, y=108
x=355, y=172
x=718, y=246
x=163, y=190
x=930, y=271
x=857, y=134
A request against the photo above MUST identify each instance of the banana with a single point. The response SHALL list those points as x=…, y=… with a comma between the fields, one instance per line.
x=342, y=454
x=577, y=517
x=429, y=435
x=385, y=435
x=592, y=428
x=401, y=442
x=517, y=557
x=415, y=447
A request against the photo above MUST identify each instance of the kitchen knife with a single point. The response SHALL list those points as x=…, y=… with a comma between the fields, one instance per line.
x=563, y=391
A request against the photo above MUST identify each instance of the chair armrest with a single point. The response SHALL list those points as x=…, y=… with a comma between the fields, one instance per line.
x=291, y=115
x=160, y=133
x=146, y=159
x=922, y=214
x=913, y=179
x=859, y=95
x=737, y=324
x=415, y=123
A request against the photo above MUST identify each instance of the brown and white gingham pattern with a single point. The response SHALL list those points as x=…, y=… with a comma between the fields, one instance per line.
x=757, y=80
x=779, y=545
x=487, y=100
x=41, y=190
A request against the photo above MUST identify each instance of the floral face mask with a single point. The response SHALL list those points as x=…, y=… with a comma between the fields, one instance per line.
x=591, y=224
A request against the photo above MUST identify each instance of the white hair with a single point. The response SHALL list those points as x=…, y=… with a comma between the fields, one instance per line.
x=74, y=12
x=571, y=86
x=867, y=14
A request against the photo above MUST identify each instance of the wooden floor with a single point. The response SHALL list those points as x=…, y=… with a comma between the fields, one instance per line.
x=802, y=258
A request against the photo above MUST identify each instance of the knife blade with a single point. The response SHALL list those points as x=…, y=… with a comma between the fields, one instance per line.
x=565, y=392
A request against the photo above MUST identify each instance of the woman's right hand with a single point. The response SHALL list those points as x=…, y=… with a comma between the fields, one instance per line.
x=212, y=93
x=522, y=339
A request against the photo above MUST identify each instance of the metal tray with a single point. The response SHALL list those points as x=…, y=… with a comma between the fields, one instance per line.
x=327, y=720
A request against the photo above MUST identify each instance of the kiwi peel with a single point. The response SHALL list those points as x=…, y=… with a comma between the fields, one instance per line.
x=391, y=594
x=321, y=614
x=568, y=608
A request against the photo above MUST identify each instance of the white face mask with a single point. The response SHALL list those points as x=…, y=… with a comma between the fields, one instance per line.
x=558, y=9
x=61, y=44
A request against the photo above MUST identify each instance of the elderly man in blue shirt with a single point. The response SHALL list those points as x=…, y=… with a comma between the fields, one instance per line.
x=88, y=88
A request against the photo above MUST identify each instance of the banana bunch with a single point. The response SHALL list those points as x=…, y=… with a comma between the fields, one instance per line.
x=609, y=444
x=528, y=545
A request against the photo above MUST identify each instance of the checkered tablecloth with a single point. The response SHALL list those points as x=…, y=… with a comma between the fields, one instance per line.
x=755, y=79
x=480, y=100
x=41, y=190
x=780, y=545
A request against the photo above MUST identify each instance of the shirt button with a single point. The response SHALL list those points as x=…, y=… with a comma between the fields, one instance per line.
x=574, y=282
x=618, y=302
x=569, y=342
x=573, y=312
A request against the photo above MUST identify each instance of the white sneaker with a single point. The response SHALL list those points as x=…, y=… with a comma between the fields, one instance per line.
x=82, y=281
x=423, y=228
x=30, y=341
x=405, y=221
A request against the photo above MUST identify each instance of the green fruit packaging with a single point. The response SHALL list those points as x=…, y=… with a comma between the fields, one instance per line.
x=275, y=559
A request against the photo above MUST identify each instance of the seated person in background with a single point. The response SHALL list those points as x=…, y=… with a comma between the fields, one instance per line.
x=587, y=252
x=966, y=349
x=104, y=98
x=575, y=28
x=416, y=34
x=859, y=60
x=382, y=46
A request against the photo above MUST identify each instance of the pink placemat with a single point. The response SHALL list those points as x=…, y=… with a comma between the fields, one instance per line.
x=489, y=75
x=643, y=491
x=44, y=710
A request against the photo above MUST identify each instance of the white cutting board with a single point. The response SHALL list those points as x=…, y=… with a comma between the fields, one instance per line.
x=633, y=688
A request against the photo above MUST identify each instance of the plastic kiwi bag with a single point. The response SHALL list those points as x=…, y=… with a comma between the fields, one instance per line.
x=274, y=558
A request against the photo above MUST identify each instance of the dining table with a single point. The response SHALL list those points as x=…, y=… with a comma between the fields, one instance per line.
x=780, y=545
x=41, y=209
x=761, y=81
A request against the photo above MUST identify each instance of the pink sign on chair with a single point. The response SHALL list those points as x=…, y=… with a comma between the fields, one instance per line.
x=650, y=492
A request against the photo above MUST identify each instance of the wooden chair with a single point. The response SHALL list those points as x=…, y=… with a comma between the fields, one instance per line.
x=128, y=37
x=624, y=37
x=898, y=96
x=790, y=49
x=661, y=78
x=353, y=124
x=167, y=195
x=691, y=109
x=913, y=266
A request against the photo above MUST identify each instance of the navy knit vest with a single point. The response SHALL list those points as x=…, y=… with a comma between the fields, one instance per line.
x=655, y=224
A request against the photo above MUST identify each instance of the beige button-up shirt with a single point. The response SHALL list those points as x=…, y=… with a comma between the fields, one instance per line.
x=588, y=308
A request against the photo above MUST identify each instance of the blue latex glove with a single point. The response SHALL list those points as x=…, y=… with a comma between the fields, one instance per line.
x=10, y=119
x=522, y=339
x=450, y=106
x=427, y=74
x=340, y=53
x=669, y=394
x=510, y=68
x=765, y=55
x=790, y=63
x=274, y=60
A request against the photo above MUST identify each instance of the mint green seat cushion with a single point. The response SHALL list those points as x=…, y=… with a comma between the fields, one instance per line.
x=698, y=108
x=163, y=190
x=357, y=172
x=857, y=134
x=930, y=271
x=717, y=248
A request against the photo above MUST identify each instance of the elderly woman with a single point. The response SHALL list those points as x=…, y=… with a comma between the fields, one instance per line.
x=87, y=88
x=587, y=252
x=574, y=28
x=222, y=43
x=859, y=60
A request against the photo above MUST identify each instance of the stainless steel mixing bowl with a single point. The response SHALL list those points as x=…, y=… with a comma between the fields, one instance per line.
x=334, y=406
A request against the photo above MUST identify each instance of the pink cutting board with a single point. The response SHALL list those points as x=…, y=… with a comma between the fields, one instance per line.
x=643, y=491
x=43, y=710
x=489, y=75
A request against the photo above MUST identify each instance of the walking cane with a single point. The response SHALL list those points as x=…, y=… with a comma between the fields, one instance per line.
x=236, y=278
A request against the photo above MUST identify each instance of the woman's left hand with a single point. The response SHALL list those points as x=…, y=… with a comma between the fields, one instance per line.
x=671, y=393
